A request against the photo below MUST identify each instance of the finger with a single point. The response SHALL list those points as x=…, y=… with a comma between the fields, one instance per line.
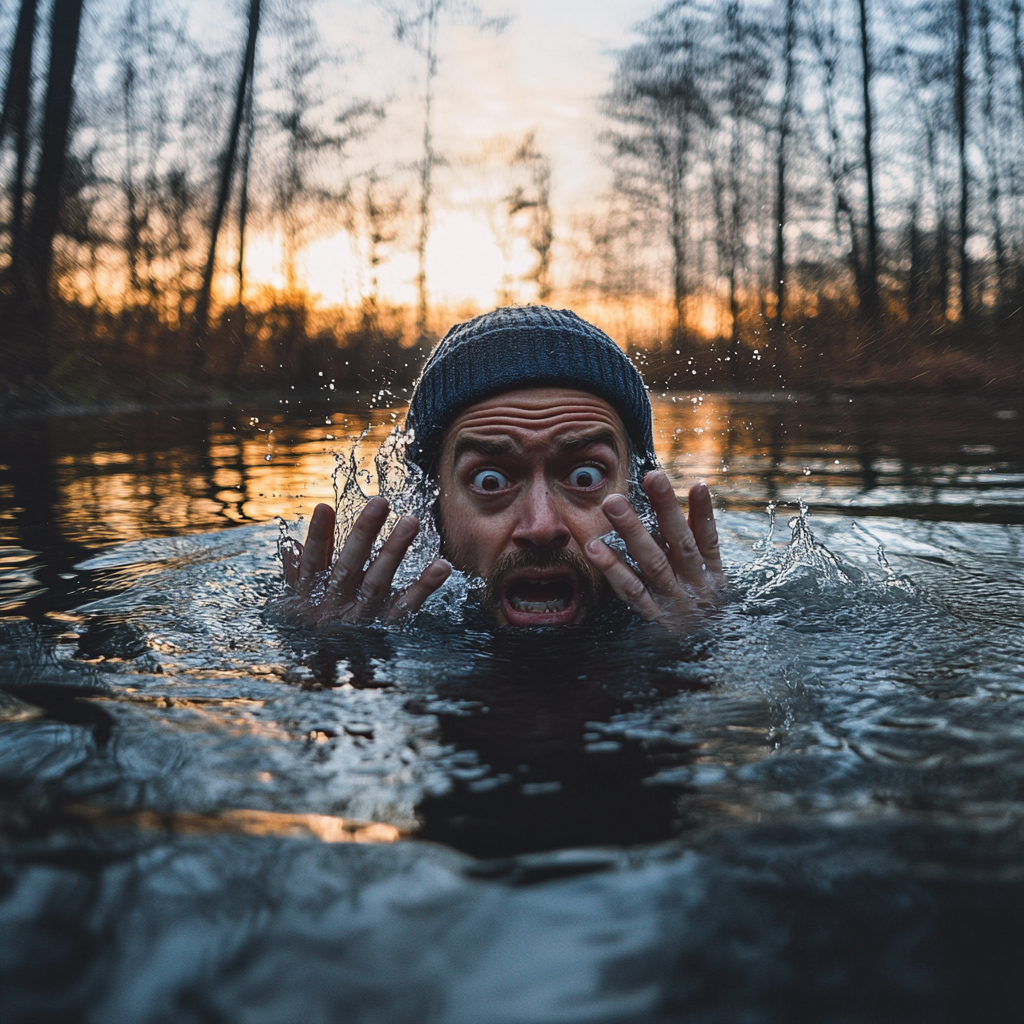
x=412, y=598
x=316, y=553
x=347, y=573
x=644, y=549
x=705, y=530
x=291, y=557
x=683, y=553
x=627, y=585
x=376, y=585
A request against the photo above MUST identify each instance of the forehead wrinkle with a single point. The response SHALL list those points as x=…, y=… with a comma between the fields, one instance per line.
x=547, y=419
x=527, y=418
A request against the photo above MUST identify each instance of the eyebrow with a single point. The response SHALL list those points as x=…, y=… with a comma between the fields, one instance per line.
x=575, y=444
x=480, y=446
x=506, y=446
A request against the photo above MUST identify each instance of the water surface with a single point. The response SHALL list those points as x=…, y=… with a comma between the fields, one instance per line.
x=811, y=809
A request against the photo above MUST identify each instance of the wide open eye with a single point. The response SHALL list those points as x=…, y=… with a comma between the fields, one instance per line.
x=585, y=476
x=490, y=480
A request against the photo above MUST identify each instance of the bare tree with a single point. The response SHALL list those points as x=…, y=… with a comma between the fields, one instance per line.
x=377, y=217
x=34, y=284
x=307, y=140
x=15, y=118
x=306, y=132
x=536, y=198
x=659, y=106
x=960, y=106
x=781, y=157
x=990, y=146
x=227, y=169
x=738, y=97
x=924, y=71
x=1018, y=49
x=243, y=215
x=870, y=294
x=824, y=37
x=417, y=23
x=1017, y=56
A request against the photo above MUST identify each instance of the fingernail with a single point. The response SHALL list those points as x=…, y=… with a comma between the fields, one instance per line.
x=616, y=505
x=594, y=546
x=660, y=483
x=376, y=505
x=405, y=527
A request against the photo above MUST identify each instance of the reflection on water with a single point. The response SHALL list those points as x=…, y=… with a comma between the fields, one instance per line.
x=811, y=810
x=69, y=485
x=924, y=457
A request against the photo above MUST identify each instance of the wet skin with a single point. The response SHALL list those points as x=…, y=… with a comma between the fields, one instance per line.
x=530, y=480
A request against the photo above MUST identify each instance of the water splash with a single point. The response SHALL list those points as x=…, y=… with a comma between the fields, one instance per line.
x=893, y=579
x=287, y=546
x=765, y=543
x=388, y=473
x=806, y=566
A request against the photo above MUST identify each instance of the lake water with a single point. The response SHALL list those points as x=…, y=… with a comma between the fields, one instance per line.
x=811, y=810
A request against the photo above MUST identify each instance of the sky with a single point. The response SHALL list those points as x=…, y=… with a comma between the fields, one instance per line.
x=545, y=73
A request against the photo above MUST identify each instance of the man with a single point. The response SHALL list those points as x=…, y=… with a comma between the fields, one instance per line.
x=534, y=426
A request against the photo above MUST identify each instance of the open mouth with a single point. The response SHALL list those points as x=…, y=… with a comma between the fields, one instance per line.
x=540, y=600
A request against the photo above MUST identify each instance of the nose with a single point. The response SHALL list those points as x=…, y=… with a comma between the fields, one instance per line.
x=541, y=525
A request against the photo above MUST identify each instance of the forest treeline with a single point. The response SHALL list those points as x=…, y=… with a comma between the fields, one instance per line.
x=849, y=170
x=827, y=192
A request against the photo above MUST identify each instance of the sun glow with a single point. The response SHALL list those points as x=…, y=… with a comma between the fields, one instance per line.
x=465, y=266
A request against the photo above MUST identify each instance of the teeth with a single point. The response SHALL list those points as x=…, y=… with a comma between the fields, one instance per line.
x=557, y=605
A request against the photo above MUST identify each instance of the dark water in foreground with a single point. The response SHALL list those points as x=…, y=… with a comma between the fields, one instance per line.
x=813, y=810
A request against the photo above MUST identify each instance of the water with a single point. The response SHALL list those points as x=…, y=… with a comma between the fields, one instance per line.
x=810, y=810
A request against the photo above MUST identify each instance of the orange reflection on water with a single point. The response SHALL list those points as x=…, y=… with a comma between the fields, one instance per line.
x=243, y=821
x=99, y=480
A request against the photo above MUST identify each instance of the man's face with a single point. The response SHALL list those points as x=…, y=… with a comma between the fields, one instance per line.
x=522, y=477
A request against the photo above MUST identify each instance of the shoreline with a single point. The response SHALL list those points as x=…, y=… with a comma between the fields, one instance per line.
x=267, y=398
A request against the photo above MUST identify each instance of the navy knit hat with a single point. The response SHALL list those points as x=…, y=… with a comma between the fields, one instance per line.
x=520, y=347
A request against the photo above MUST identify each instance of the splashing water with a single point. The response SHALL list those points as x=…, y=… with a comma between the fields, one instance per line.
x=805, y=565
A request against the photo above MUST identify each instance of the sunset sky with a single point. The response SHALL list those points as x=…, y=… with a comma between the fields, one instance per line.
x=544, y=73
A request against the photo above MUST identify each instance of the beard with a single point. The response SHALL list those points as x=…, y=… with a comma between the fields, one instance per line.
x=593, y=591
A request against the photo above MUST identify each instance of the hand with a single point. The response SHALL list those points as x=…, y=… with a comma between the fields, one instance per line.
x=682, y=572
x=352, y=594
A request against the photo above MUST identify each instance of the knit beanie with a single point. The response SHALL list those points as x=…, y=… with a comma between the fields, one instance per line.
x=523, y=347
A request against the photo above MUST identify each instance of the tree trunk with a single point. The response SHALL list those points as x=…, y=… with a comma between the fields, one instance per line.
x=871, y=305
x=425, y=177
x=227, y=169
x=33, y=302
x=243, y=213
x=1018, y=57
x=735, y=247
x=1018, y=50
x=960, y=104
x=677, y=227
x=133, y=226
x=992, y=150
x=780, y=169
x=17, y=98
x=942, y=234
x=914, y=273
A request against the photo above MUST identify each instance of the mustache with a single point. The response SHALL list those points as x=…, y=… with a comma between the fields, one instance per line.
x=593, y=587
